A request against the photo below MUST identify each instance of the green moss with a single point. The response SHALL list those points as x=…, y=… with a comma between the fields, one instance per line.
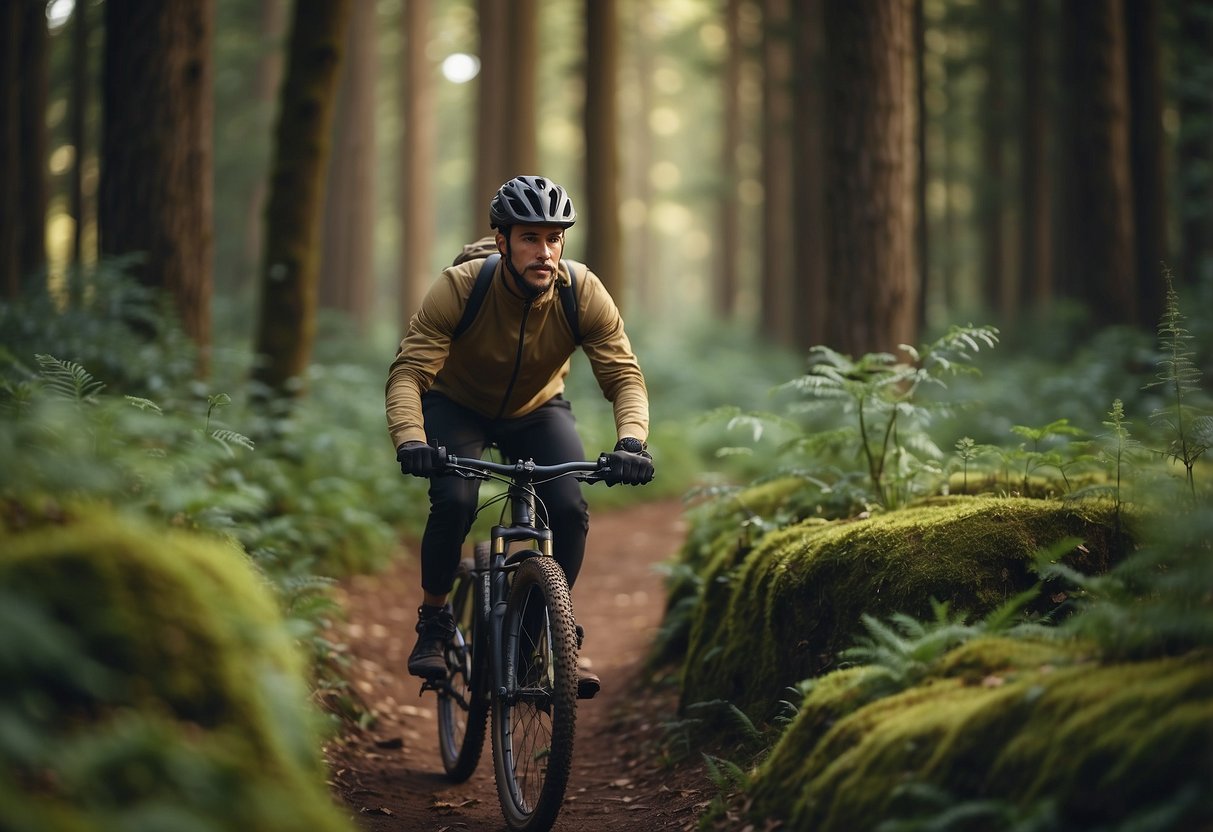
x=720, y=537
x=780, y=613
x=1097, y=743
x=167, y=684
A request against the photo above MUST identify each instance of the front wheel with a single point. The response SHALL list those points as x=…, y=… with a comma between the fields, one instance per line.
x=463, y=705
x=533, y=723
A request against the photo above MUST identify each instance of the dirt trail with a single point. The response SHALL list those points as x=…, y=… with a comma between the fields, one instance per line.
x=390, y=776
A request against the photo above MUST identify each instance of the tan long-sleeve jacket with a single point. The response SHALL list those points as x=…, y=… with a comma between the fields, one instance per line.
x=515, y=355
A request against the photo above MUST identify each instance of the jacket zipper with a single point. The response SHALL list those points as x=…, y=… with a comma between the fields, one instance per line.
x=509, y=390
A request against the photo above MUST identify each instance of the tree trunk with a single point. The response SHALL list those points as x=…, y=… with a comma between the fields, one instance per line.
x=1194, y=150
x=1146, y=143
x=10, y=149
x=1099, y=254
x=725, y=296
x=347, y=252
x=921, y=227
x=79, y=141
x=34, y=82
x=777, y=313
x=870, y=176
x=638, y=250
x=519, y=136
x=156, y=161
x=603, y=239
x=495, y=90
x=808, y=168
x=995, y=292
x=417, y=160
x=287, y=322
x=1036, y=274
x=271, y=24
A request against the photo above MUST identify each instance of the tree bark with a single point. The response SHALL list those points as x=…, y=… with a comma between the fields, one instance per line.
x=995, y=292
x=1194, y=149
x=519, y=138
x=491, y=125
x=921, y=226
x=79, y=140
x=271, y=25
x=10, y=149
x=872, y=288
x=34, y=84
x=347, y=252
x=287, y=318
x=1036, y=273
x=1099, y=248
x=417, y=160
x=777, y=313
x=725, y=296
x=157, y=150
x=603, y=238
x=808, y=209
x=1146, y=155
x=638, y=252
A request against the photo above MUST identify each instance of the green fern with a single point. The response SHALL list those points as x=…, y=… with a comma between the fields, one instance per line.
x=140, y=403
x=230, y=438
x=1191, y=432
x=878, y=396
x=68, y=380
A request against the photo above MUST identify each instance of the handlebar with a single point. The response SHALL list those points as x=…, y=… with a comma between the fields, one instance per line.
x=524, y=470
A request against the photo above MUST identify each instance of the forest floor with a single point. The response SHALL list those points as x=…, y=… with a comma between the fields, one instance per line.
x=390, y=774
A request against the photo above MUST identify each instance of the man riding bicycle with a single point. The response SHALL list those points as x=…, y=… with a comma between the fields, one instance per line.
x=501, y=382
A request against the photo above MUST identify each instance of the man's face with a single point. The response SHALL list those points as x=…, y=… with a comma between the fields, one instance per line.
x=535, y=253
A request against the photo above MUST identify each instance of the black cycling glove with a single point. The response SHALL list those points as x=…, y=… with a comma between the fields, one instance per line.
x=630, y=463
x=416, y=458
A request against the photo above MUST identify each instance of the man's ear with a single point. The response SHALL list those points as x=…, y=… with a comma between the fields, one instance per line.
x=500, y=238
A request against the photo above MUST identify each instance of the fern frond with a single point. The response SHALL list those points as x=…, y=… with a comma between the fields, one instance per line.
x=68, y=379
x=144, y=404
x=228, y=438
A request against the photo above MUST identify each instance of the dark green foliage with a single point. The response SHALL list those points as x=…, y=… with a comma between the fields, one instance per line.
x=1188, y=430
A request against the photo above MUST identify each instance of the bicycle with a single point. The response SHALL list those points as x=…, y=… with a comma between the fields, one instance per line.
x=514, y=652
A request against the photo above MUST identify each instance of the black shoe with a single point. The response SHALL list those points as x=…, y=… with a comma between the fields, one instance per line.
x=435, y=629
x=588, y=683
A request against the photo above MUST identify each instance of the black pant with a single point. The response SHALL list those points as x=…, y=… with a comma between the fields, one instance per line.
x=548, y=435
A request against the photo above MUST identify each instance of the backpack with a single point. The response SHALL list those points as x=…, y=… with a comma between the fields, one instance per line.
x=487, y=247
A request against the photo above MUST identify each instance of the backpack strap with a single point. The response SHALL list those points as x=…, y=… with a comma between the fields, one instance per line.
x=568, y=299
x=476, y=299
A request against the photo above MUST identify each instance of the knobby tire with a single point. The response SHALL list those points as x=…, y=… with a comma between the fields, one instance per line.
x=533, y=726
x=463, y=711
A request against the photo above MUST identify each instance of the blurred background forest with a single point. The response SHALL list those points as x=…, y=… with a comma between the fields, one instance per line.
x=857, y=175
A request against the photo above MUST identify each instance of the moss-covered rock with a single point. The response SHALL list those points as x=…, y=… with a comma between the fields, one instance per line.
x=720, y=536
x=150, y=683
x=1006, y=731
x=770, y=617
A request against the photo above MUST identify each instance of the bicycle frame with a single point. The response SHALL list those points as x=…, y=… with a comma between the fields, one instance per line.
x=494, y=583
x=524, y=675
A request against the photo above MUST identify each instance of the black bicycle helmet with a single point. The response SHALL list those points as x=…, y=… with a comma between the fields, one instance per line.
x=531, y=200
